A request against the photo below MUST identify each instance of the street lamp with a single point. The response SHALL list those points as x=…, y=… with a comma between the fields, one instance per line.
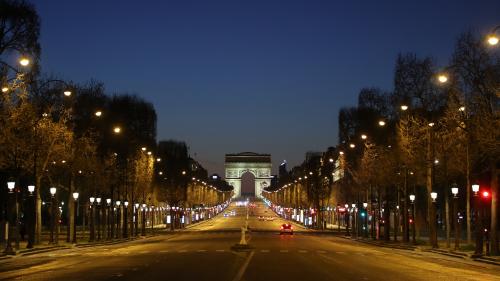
x=364, y=137
x=75, y=197
x=404, y=107
x=442, y=78
x=8, y=247
x=31, y=189
x=412, y=201
x=454, y=191
x=492, y=38
x=352, y=145
x=381, y=123
x=98, y=200
x=53, y=191
x=117, y=130
x=98, y=113
x=67, y=93
x=92, y=220
x=475, y=189
x=125, y=219
x=10, y=186
x=434, y=196
x=24, y=61
x=118, y=222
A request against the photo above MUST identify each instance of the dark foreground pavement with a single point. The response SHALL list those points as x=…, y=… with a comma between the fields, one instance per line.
x=207, y=255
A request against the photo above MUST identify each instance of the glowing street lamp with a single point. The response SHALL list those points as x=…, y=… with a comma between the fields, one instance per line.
x=76, y=195
x=352, y=145
x=442, y=78
x=364, y=137
x=24, y=61
x=404, y=107
x=10, y=186
x=53, y=191
x=493, y=39
x=67, y=93
x=108, y=201
x=434, y=196
x=412, y=198
x=158, y=159
x=454, y=191
x=5, y=89
x=98, y=113
x=475, y=189
x=381, y=123
x=117, y=130
x=365, y=205
x=31, y=189
x=92, y=200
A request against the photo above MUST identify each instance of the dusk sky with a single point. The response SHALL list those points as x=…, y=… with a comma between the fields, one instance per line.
x=263, y=76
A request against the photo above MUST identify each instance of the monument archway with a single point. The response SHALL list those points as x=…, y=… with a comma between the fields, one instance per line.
x=258, y=164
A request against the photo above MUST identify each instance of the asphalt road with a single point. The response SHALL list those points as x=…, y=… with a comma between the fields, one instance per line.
x=204, y=252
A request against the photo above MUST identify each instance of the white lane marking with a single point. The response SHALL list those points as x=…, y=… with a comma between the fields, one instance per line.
x=302, y=251
x=264, y=251
x=243, y=268
x=283, y=251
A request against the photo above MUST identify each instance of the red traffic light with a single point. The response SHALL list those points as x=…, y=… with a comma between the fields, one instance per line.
x=486, y=194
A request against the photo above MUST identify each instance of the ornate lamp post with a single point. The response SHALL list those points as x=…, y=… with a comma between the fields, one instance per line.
x=478, y=221
x=365, y=224
x=454, y=191
x=118, y=222
x=92, y=220
x=347, y=219
x=412, y=201
x=75, y=197
x=98, y=215
x=8, y=247
x=136, y=218
x=53, y=191
x=434, y=197
x=108, y=222
x=125, y=219
x=31, y=217
x=143, y=220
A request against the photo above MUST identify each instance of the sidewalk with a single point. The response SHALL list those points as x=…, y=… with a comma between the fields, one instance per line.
x=463, y=253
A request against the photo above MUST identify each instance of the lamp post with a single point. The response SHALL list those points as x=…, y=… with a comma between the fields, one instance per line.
x=454, y=191
x=433, y=236
x=31, y=217
x=412, y=201
x=354, y=227
x=92, y=220
x=98, y=215
x=75, y=197
x=118, y=222
x=347, y=219
x=143, y=225
x=136, y=218
x=152, y=216
x=53, y=191
x=108, y=223
x=8, y=247
x=125, y=219
x=365, y=225
x=478, y=221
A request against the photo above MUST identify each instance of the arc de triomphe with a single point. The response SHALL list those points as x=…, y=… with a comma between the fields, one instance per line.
x=258, y=164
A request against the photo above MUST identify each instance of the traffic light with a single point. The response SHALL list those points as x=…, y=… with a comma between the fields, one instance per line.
x=486, y=194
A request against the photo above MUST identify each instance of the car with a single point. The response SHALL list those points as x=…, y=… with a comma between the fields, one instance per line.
x=286, y=228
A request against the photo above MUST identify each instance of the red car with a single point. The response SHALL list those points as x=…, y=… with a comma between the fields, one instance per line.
x=286, y=228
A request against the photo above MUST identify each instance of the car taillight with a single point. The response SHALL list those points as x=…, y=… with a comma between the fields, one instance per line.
x=281, y=227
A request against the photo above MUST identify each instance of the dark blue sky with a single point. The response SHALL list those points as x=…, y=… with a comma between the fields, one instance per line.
x=264, y=76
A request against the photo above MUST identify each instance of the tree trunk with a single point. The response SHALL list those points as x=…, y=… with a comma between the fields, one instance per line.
x=494, y=209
